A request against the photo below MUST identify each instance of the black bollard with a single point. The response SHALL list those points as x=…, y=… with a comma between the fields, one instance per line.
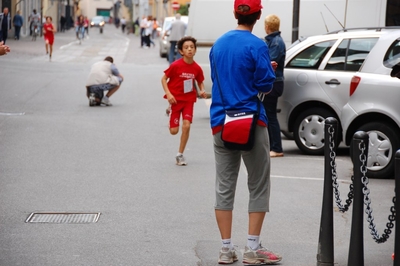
x=356, y=250
x=325, y=255
x=397, y=207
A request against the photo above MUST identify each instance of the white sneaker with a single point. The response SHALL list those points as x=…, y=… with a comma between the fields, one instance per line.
x=260, y=256
x=180, y=160
x=92, y=99
x=106, y=101
x=227, y=256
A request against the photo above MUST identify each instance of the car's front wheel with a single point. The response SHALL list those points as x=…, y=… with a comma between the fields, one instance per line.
x=309, y=133
x=383, y=144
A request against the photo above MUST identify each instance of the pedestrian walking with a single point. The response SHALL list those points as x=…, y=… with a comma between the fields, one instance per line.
x=135, y=24
x=178, y=84
x=48, y=33
x=277, y=53
x=176, y=32
x=155, y=27
x=70, y=22
x=143, y=25
x=18, y=21
x=63, y=21
x=103, y=76
x=86, y=26
x=4, y=49
x=149, y=31
x=5, y=25
x=117, y=22
x=123, y=24
x=241, y=72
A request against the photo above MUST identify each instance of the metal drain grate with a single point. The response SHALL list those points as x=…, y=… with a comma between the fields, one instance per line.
x=63, y=217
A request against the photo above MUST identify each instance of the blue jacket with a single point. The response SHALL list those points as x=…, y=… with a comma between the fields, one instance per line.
x=242, y=64
x=277, y=52
x=18, y=21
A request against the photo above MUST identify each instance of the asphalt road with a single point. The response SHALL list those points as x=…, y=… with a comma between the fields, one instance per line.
x=57, y=154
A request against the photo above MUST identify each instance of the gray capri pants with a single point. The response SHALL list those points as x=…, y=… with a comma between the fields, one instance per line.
x=257, y=162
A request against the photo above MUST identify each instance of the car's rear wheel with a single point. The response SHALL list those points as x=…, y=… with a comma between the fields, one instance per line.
x=309, y=133
x=383, y=144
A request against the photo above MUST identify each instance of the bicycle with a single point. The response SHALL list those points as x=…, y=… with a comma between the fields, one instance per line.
x=35, y=32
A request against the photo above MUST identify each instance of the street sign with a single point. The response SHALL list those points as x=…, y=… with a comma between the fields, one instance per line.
x=175, y=5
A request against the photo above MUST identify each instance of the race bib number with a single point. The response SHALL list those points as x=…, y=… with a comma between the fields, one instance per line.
x=188, y=86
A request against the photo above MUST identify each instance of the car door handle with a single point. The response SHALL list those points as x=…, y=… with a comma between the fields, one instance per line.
x=332, y=82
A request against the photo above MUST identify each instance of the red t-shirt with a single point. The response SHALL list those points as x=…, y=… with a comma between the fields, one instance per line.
x=181, y=77
x=49, y=34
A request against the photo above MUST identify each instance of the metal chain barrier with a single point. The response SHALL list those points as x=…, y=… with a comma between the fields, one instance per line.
x=332, y=155
x=367, y=202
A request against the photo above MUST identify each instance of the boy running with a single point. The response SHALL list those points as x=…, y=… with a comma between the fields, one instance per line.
x=178, y=84
x=48, y=32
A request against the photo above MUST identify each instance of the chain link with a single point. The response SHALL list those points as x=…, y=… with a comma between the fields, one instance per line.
x=365, y=190
x=367, y=202
x=332, y=155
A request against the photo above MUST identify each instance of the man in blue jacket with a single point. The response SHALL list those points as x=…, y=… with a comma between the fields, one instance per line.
x=18, y=21
x=5, y=25
x=277, y=53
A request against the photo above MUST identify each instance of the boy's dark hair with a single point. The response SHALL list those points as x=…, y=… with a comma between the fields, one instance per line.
x=109, y=59
x=185, y=39
x=248, y=19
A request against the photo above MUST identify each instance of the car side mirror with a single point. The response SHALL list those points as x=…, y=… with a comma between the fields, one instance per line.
x=395, y=73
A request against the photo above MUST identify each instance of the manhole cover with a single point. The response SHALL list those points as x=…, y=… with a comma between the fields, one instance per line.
x=63, y=217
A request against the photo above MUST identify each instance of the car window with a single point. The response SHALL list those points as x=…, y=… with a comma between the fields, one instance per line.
x=392, y=56
x=312, y=56
x=301, y=38
x=350, y=54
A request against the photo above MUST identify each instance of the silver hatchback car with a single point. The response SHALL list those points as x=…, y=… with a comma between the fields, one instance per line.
x=374, y=107
x=318, y=73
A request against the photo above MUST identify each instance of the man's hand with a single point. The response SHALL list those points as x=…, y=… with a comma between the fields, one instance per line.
x=4, y=49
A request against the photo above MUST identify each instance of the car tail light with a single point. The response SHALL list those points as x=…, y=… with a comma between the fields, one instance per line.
x=354, y=83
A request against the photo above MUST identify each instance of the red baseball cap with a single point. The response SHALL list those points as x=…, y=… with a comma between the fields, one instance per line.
x=253, y=6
